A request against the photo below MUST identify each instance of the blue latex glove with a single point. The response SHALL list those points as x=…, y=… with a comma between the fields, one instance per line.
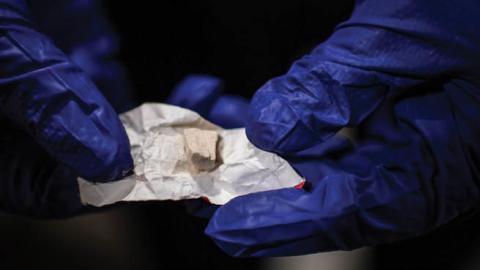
x=204, y=95
x=56, y=125
x=406, y=72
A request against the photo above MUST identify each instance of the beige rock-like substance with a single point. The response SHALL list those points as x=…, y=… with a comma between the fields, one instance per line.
x=163, y=139
x=202, y=147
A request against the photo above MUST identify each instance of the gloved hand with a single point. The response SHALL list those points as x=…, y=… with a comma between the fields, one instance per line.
x=56, y=125
x=407, y=74
x=204, y=95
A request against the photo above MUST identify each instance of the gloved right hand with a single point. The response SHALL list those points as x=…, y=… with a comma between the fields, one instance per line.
x=56, y=125
x=406, y=74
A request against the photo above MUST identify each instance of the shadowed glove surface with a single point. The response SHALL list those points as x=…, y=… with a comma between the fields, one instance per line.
x=406, y=73
x=56, y=125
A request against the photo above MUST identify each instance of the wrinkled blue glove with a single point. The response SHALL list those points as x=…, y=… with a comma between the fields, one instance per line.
x=407, y=74
x=204, y=95
x=56, y=125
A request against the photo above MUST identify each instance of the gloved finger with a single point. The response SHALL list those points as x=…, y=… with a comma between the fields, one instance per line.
x=343, y=210
x=399, y=182
x=108, y=74
x=45, y=94
x=32, y=183
x=229, y=111
x=204, y=95
x=344, y=79
x=197, y=92
x=304, y=108
x=90, y=41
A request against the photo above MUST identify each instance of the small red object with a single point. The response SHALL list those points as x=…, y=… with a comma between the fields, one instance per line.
x=205, y=199
x=300, y=185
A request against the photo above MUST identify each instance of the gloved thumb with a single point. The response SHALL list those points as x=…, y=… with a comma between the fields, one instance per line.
x=54, y=101
x=306, y=107
x=204, y=95
x=72, y=121
x=57, y=105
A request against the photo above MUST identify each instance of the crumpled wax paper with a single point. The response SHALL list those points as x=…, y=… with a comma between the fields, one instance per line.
x=165, y=168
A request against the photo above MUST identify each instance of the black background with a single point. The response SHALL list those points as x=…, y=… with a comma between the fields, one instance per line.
x=243, y=42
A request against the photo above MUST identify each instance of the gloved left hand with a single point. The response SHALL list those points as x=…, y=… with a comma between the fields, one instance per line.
x=56, y=125
x=407, y=74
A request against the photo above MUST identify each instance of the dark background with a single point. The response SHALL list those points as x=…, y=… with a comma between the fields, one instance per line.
x=243, y=42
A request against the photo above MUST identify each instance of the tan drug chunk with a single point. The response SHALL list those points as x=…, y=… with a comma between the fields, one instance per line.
x=202, y=145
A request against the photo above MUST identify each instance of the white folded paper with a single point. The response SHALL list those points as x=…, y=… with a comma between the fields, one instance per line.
x=179, y=155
